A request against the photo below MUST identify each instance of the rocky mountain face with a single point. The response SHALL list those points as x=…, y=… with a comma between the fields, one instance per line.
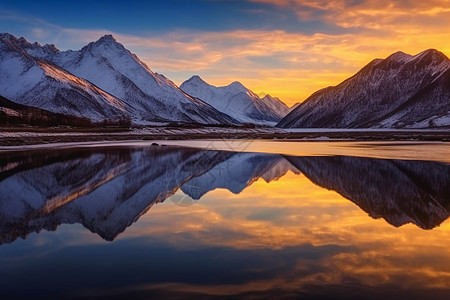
x=33, y=82
x=277, y=105
x=401, y=91
x=101, y=81
x=107, y=190
x=237, y=101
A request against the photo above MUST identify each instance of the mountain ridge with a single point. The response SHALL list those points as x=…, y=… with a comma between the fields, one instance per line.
x=116, y=73
x=400, y=91
x=237, y=101
x=106, y=81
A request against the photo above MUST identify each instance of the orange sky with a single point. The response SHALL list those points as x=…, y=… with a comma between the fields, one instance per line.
x=288, y=48
x=294, y=65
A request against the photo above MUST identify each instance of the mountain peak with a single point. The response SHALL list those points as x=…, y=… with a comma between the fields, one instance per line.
x=21, y=42
x=50, y=47
x=106, y=41
x=431, y=53
x=399, y=56
x=236, y=85
x=235, y=100
x=196, y=79
x=401, y=91
x=6, y=36
x=107, y=38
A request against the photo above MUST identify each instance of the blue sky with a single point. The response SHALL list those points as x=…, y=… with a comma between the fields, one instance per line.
x=144, y=17
x=288, y=48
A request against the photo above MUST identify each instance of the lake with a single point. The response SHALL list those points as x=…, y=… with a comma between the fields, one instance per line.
x=242, y=219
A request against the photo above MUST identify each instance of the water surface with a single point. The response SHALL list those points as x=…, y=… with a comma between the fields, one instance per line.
x=283, y=220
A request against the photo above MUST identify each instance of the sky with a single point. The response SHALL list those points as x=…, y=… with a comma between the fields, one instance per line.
x=287, y=48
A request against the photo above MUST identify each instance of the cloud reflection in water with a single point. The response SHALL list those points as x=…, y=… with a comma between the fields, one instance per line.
x=260, y=227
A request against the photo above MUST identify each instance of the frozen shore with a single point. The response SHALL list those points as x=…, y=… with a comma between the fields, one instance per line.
x=29, y=136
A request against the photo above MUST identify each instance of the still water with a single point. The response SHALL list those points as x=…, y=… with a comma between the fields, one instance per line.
x=284, y=220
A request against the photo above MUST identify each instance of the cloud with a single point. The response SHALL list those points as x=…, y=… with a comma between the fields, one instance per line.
x=287, y=64
x=367, y=13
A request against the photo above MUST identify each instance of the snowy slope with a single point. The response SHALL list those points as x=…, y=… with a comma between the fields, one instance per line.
x=150, y=97
x=401, y=91
x=236, y=100
x=278, y=106
x=29, y=81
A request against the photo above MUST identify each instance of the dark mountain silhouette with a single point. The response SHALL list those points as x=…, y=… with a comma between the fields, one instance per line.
x=401, y=91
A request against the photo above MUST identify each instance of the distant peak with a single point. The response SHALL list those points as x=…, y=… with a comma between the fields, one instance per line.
x=431, y=52
x=107, y=39
x=196, y=78
x=51, y=47
x=17, y=42
x=12, y=38
x=399, y=56
x=237, y=84
x=6, y=35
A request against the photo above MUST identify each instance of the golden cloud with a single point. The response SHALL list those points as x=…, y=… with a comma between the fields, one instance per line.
x=290, y=65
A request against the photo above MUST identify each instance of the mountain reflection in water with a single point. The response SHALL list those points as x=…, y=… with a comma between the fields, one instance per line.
x=107, y=190
x=222, y=224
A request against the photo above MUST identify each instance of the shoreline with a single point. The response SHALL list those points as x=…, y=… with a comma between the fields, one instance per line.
x=401, y=150
x=19, y=136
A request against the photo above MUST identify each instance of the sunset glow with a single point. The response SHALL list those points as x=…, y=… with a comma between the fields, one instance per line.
x=293, y=212
x=287, y=48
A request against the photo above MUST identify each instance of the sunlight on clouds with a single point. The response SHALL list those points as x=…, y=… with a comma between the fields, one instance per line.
x=290, y=65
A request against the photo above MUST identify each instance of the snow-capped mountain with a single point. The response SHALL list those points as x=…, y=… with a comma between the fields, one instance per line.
x=33, y=82
x=276, y=105
x=237, y=101
x=401, y=91
x=104, y=69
